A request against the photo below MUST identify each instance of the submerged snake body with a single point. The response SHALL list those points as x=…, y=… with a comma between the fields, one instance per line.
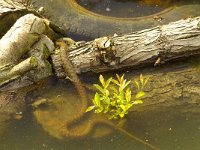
x=70, y=130
x=68, y=68
x=78, y=132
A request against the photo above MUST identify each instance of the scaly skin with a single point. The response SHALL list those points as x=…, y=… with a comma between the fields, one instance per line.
x=77, y=132
x=69, y=131
x=68, y=68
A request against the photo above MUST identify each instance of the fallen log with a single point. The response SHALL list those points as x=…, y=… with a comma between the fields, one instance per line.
x=168, y=42
x=24, y=50
x=12, y=10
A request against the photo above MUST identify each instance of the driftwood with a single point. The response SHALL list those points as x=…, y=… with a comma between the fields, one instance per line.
x=24, y=48
x=24, y=51
x=172, y=87
x=12, y=10
x=175, y=40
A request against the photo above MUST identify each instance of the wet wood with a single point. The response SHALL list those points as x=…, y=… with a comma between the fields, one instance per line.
x=168, y=42
x=25, y=49
x=172, y=86
x=10, y=11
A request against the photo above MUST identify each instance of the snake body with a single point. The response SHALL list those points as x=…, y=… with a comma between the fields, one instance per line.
x=78, y=131
x=68, y=68
x=69, y=131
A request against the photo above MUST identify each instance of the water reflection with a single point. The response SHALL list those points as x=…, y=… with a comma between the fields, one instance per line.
x=125, y=8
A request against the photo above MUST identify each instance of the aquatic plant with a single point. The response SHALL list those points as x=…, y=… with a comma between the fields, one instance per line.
x=114, y=97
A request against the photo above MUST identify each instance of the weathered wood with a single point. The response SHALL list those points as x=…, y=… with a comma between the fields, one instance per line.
x=171, y=86
x=26, y=39
x=11, y=11
x=168, y=42
x=18, y=70
x=19, y=39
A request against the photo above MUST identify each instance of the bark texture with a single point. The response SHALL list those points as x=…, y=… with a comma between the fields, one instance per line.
x=24, y=51
x=171, y=86
x=11, y=11
x=168, y=42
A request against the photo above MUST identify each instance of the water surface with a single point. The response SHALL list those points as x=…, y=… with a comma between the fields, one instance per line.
x=166, y=129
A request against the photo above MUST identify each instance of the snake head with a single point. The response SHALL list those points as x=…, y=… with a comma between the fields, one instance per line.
x=65, y=42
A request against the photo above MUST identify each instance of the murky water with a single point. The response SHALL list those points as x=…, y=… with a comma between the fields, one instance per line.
x=167, y=129
x=125, y=8
x=130, y=8
x=106, y=17
x=171, y=129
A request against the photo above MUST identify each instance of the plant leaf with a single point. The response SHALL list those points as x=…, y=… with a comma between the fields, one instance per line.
x=96, y=99
x=99, y=110
x=101, y=79
x=115, y=81
x=137, y=102
x=121, y=115
x=128, y=95
x=118, y=78
x=122, y=78
x=108, y=82
x=106, y=100
x=141, y=79
x=140, y=94
x=99, y=88
x=123, y=107
x=107, y=93
x=137, y=84
x=90, y=108
x=127, y=83
x=129, y=106
x=122, y=86
x=146, y=80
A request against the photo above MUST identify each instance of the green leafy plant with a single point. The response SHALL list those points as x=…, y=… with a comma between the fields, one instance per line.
x=114, y=97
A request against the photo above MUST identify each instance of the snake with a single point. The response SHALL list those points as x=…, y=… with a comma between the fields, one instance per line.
x=69, y=130
x=68, y=68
